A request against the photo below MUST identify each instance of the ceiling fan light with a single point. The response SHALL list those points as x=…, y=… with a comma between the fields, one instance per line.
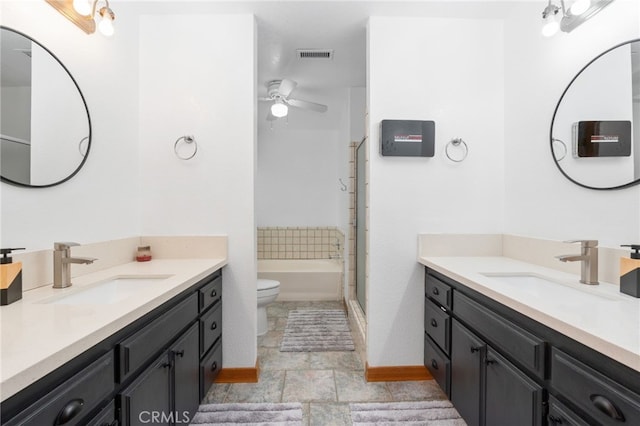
x=279, y=110
x=580, y=7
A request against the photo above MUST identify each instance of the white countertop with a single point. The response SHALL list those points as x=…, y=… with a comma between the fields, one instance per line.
x=610, y=325
x=36, y=338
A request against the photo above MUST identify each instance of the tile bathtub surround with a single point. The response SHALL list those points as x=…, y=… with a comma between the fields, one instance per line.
x=324, y=382
x=325, y=242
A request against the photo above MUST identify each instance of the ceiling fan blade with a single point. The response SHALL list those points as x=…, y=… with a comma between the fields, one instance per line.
x=262, y=98
x=307, y=105
x=286, y=87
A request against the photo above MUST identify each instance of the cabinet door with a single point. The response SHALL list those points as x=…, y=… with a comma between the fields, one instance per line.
x=146, y=400
x=466, y=368
x=186, y=357
x=511, y=397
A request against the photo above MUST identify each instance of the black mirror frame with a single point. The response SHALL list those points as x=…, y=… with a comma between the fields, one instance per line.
x=555, y=111
x=84, y=102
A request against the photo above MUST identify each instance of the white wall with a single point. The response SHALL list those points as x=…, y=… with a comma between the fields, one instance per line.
x=449, y=71
x=298, y=175
x=193, y=81
x=101, y=202
x=300, y=160
x=540, y=202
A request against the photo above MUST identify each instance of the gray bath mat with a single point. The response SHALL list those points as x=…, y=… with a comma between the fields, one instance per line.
x=263, y=414
x=317, y=331
x=432, y=413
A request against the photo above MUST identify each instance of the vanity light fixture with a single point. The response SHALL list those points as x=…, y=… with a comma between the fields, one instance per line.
x=567, y=19
x=551, y=20
x=84, y=14
x=279, y=109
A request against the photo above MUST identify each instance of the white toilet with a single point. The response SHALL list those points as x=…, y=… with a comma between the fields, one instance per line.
x=268, y=291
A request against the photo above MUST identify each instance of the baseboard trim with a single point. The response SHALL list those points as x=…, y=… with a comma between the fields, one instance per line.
x=396, y=374
x=239, y=375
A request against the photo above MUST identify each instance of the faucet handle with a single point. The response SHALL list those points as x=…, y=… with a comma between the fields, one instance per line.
x=64, y=245
x=584, y=243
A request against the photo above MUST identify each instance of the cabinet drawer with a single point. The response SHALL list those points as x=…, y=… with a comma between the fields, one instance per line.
x=559, y=415
x=521, y=345
x=210, y=293
x=437, y=363
x=600, y=397
x=137, y=349
x=210, y=368
x=106, y=416
x=210, y=328
x=438, y=291
x=74, y=399
x=437, y=324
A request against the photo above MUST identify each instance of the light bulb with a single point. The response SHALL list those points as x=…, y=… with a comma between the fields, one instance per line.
x=550, y=28
x=580, y=7
x=551, y=20
x=279, y=109
x=106, y=23
x=83, y=7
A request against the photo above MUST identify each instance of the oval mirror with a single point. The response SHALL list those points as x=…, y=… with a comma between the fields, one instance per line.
x=45, y=128
x=595, y=130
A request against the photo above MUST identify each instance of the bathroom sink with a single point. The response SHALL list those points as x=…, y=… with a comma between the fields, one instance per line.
x=539, y=286
x=106, y=292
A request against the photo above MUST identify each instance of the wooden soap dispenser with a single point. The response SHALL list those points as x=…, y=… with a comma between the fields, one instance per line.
x=630, y=272
x=10, y=277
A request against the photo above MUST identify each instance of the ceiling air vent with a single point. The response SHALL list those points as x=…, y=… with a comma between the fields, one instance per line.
x=315, y=53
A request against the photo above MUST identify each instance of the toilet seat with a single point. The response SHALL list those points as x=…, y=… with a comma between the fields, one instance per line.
x=264, y=284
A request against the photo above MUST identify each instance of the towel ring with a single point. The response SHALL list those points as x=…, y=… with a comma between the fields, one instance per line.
x=188, y=140
x=564, y=147
x=457, y=142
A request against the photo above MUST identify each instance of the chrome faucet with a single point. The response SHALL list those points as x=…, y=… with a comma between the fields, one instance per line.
x=589, y=259
x=62, y=261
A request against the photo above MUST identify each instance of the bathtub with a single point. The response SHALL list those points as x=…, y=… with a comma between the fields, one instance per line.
x=304, y=279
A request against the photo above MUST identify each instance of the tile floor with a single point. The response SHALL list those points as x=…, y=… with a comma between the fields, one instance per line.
x=324, y=382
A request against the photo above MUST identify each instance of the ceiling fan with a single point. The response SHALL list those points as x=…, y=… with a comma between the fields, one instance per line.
x=278, y=92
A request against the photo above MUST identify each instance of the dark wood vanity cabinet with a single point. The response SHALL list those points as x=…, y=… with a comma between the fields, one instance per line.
x=150, y=372
x=503, y=368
